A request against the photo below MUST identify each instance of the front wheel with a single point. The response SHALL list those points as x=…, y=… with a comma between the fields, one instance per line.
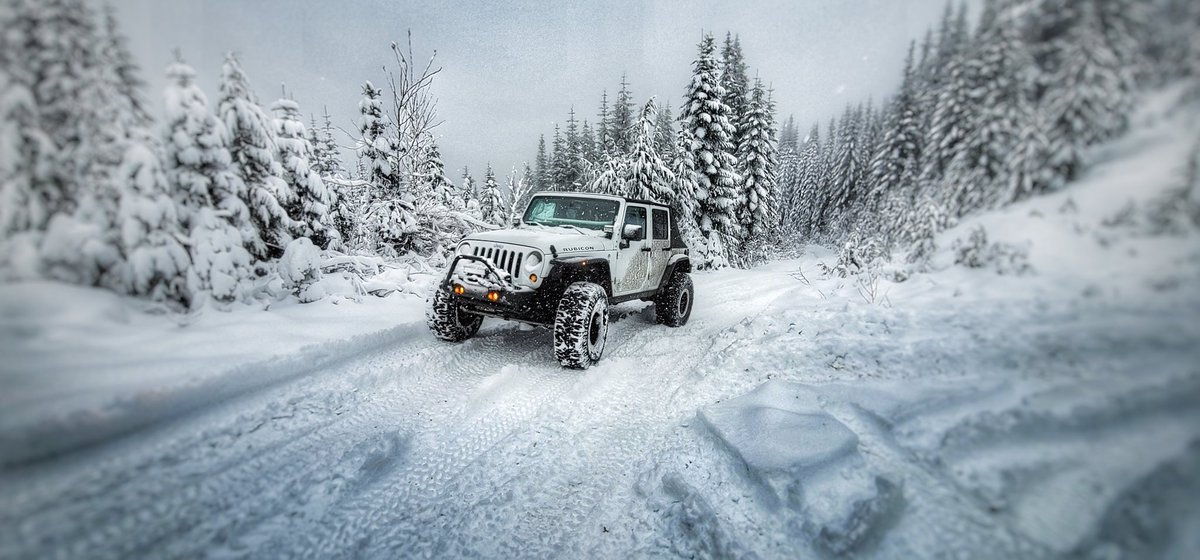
x=581, y=325
x=447, y=321
x=673, y=306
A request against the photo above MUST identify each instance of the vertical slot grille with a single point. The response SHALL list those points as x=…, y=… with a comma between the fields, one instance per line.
x=503, y=259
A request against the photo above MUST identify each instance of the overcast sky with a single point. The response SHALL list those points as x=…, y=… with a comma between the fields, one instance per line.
x=511, y=69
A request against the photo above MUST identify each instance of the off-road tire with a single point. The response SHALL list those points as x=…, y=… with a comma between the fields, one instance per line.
x=447, y=321
x=673, y=306
x=581, y=325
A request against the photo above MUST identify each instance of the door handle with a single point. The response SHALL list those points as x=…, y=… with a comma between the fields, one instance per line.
x=646, y=249
x=666, y=248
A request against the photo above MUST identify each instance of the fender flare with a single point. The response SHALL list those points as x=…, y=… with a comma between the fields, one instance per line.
x=568, y=270
x=678, y=262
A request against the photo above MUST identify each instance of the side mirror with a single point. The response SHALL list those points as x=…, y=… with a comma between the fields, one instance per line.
x=631, y=232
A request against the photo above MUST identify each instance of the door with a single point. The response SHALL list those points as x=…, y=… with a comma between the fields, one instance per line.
x=660, y=246
x=633, y=254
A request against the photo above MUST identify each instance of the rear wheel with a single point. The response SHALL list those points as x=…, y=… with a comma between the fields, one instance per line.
x=447, y=320
x=581, y=325
x=673, y=306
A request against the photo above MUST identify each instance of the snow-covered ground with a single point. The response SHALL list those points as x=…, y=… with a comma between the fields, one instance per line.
x=961, y=412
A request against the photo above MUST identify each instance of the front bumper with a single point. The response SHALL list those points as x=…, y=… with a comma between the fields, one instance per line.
x=480, y=277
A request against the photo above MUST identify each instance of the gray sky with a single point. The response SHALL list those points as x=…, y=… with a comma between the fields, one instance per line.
x=513, y=68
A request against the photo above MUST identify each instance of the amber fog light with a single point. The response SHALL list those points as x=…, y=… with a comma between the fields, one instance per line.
x=459, y=290
x=493, y=296
x=533, y=278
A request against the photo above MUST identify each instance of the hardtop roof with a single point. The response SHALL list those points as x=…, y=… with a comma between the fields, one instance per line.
x=599, y=195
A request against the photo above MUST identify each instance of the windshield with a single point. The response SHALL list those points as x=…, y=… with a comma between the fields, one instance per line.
x=590, y=213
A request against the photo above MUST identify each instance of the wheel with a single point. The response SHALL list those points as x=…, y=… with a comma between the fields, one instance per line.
x=673, y=306
x=447, y=321
x=581, y=325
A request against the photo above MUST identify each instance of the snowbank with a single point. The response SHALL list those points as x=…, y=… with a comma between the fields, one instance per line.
x=81, y=365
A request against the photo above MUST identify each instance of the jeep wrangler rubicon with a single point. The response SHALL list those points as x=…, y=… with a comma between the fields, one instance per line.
x=563, y=262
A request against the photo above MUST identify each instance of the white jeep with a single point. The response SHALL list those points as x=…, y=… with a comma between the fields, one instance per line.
x=568, y=258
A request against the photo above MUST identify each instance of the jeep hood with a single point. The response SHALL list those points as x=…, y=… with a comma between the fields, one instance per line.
x=564, y=240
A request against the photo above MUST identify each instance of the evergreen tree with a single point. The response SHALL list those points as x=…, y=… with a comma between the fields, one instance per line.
x=558, y=162
x=252, y=147
x=735, y=83
x=587, y=146
x=603, y=133
x=810, y=193
x=491, y=203
x=621, y=126
x=898, y=154
x=390, y=220
x=156, y=263
x=311, y=200
x=326, y=159
x=542, y=166
x=650, y=178
x=708, y=133
x=664, y=133
x=757, y=159
x=207, y=193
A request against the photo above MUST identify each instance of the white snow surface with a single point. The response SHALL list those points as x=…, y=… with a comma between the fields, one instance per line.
x=958, y=413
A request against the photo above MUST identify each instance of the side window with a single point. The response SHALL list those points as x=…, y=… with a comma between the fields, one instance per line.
x=660, y=224
x=636, y=216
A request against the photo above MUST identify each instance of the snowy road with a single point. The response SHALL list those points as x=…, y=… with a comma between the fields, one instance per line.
x=422, y=448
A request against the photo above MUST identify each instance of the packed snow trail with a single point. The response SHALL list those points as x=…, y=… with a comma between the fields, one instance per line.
x=425, y=448
x=376, y=439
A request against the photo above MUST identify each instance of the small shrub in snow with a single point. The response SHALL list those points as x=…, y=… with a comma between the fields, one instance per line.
x=300, y=269
x=859, y=253
x=1004, y=258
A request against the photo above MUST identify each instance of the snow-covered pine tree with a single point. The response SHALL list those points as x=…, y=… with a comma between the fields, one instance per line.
x=541, y=166
x=790, y=173
x=491, y=203
x=1000, y=96
x=569, y=170
x=898, y=154
x=25, y=162
x=650, y=178
x=389, y=221
x=622, y=122
x=736, y=84
x=326, y=156
x=758, y=158
x=468, y=193
x=664, y=134
x=206, y=192
x=312, y=200
x=129, y=83
x=155, y=263
x=587, y=147
x=433, y=172
x=1089, y=91
x=252, y=147
x=845, y=173
x=558, y=162
x=603, y=135
x=708, y=132
x=789, y=135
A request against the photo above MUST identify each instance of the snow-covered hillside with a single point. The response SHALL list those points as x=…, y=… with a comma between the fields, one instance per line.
x=1043, y=403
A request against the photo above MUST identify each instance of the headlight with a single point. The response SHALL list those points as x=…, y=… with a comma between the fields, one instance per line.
x=533, y=260
x=464, y=248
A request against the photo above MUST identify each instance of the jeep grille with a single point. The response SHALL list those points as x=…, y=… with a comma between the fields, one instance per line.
x=504, y=259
